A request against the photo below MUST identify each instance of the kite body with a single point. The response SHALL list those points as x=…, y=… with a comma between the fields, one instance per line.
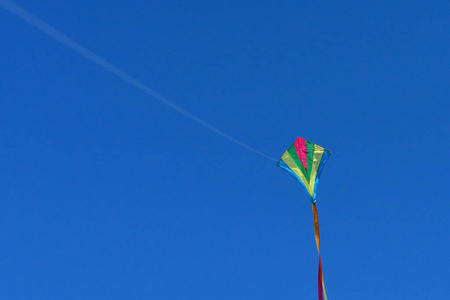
x=305, y=161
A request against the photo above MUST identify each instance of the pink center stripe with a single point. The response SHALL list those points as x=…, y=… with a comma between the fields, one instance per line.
x=300, y=147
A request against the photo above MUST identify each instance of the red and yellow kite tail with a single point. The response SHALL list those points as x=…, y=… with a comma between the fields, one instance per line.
x=321, y=283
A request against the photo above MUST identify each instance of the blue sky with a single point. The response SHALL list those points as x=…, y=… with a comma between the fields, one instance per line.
x=108, y=194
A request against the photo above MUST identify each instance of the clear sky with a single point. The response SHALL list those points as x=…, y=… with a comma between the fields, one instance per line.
x=106, y=193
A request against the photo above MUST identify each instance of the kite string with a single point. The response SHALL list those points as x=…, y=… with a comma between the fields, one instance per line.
x=44, y=27
x=321, y=283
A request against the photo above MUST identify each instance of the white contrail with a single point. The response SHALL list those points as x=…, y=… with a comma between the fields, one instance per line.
x=37, y=23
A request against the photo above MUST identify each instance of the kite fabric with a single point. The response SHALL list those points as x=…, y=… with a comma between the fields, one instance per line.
x=305, y=161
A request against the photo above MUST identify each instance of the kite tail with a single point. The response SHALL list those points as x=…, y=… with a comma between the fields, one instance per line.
x=321, y=283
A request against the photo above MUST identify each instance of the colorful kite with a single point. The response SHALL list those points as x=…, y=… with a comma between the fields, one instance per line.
x=305, y=160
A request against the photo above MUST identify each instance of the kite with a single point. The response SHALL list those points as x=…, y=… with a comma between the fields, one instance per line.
x=305, y=161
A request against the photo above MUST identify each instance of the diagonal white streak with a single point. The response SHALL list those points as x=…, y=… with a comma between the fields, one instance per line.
x=39, y=24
